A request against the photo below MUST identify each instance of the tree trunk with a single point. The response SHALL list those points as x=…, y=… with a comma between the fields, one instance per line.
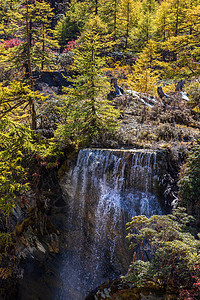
x=29, y=67
x=115, y=19
x=177, y=20
x=43, y=48
x=96, y=7
x=127, y=25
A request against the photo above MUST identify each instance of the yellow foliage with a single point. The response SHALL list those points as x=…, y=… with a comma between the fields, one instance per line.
x=5, y=273
x=117, y=70
x=196, y=109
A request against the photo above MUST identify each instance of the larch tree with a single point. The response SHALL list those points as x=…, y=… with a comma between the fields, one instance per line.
x=161, y=22
x=144, y=77
x=29, y=23
x=145, y=24
x=88, y=113
x=17, y=100
x=127, y=19
x=109, y=13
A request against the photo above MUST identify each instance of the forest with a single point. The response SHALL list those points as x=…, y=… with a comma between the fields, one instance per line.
x=114, y=74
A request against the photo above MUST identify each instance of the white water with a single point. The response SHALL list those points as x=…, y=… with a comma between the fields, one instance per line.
x=104, y=190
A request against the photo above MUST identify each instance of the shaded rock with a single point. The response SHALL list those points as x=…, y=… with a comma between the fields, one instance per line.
x=119, y=290
x=51, y=82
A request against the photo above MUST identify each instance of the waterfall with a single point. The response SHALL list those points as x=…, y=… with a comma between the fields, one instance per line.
x=104, y=190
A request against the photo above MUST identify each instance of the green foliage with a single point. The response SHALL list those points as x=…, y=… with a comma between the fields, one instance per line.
x=15, y=144
x=138, y=273
x=189, y=183
x=29, y=21
x=18, y=148
x=14, y=100
x=66, y=30
x=87, y=112
x=173, y=24
x=171, y=252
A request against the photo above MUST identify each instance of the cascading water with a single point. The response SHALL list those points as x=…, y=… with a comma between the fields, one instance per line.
x=104, y=190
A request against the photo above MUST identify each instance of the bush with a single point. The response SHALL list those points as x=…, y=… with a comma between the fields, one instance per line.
x=165, y=252
x=168, y=132
x=193, y=91
x=189, y=183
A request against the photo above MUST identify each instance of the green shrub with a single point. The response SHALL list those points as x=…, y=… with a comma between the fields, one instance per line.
x=189, y=183
x=166, y=253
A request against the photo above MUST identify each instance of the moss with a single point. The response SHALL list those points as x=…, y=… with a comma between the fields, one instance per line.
x=127, y=295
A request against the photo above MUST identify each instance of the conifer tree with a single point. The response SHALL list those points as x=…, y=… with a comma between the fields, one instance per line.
x=70, y=26
x=87, y=112
x=29, y=21
x=161, y=22
x=109, y=13
x=144, y=29
x=176, y=16
x=128, y=18
x=15, y=141
x=144, y=77
x=18, y=101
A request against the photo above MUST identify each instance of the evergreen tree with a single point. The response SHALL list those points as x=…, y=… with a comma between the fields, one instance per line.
x=87, y=112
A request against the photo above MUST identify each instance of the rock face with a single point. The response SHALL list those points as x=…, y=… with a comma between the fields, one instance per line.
x=104, y=190
x=40, y=239
x=83, y=241
x=118, y=290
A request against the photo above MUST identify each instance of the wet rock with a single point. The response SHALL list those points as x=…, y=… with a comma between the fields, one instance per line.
x=119, y=290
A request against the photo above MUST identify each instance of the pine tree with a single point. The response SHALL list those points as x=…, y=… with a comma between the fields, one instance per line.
x=87, y=112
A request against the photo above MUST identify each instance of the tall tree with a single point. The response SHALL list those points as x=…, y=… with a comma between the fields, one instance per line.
x=161, y=21
x=127, y=19
x=145, y=28
x=29, y=22
x=144, y=77
x=88, y=113
x=109, y=13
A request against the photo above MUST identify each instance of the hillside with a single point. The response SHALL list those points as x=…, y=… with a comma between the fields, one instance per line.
x=115, y=74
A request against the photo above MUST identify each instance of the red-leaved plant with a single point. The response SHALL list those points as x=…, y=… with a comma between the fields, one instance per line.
x=194, y=292
x=70, y=46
